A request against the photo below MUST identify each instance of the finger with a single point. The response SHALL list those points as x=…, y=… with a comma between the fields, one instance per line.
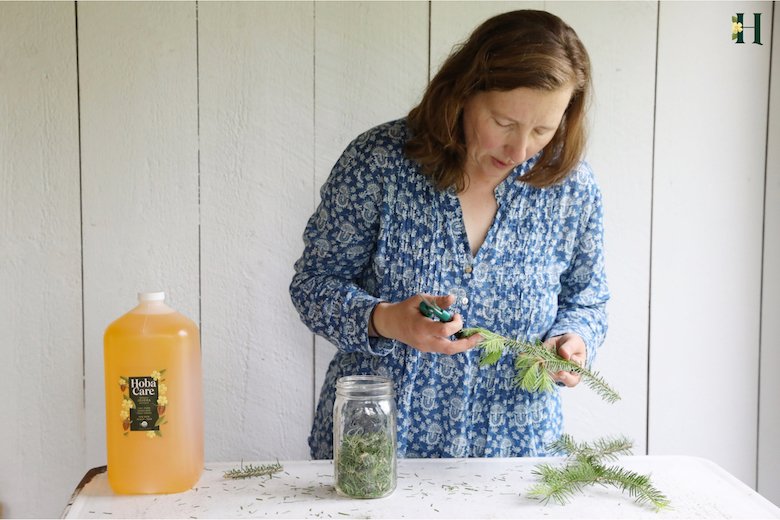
x=566, y=351
x=453, y=326
x=450, y=347
x=564, y=378
x=441, y=346
x=572, y=379
x=441, y=329
x=573, y=351
x=441, y=300
x=577, y=359
x=471, y=341
x=444, y=301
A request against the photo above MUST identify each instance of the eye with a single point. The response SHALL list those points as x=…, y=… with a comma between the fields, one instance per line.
x=502, y=124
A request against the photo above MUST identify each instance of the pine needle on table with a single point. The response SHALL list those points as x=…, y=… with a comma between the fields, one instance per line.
x=253, y=471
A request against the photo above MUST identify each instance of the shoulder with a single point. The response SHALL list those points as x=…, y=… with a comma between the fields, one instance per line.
x=374, y=158
x=581, y=183
x=382, y=141
x=582, y=177
x=379, y=154
x=395, y=131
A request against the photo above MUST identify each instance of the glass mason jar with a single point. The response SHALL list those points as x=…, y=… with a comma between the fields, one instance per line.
x=364, y=437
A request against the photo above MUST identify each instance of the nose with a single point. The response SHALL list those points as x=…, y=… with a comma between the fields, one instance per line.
x=516, y=148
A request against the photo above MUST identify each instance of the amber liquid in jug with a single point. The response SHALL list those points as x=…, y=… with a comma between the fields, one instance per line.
x=154, y=405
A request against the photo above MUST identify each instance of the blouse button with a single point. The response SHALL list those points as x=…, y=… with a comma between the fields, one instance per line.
x=468, y=269
x=464, y=301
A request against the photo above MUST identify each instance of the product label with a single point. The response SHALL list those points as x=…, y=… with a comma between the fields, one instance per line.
x=144, y=403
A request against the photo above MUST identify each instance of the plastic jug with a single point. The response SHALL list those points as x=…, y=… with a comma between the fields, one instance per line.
x=154, y=403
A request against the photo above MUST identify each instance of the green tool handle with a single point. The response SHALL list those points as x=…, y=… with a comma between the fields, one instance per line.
x=429, y=311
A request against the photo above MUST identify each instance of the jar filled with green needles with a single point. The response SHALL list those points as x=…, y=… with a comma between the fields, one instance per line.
x=364, y=436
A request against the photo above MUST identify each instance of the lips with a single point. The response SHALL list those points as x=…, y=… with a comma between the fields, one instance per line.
x=499, y=164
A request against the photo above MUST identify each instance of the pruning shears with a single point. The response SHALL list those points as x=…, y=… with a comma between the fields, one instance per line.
x=430, y=309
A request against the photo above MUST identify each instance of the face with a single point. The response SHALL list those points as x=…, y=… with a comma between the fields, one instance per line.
x=505, y=128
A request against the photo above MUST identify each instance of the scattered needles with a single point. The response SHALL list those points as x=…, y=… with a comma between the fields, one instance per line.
x=365, y=465
x=535, y=364
x=253, y=471
x=585, y=466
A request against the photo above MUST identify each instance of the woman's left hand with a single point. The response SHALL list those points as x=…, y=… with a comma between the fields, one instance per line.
x=572, y=347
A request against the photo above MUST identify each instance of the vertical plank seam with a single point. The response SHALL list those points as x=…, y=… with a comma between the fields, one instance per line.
x=763, y=248
x=652, y=202
x=314, y=184
x=81, y=220
x=430, y=18
x=200, y=218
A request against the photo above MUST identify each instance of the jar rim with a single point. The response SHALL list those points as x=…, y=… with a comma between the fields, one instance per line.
x=362, y=385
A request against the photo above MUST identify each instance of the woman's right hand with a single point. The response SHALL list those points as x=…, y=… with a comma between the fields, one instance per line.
x=403, y=321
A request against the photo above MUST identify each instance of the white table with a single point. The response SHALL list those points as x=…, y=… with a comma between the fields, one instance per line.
x=431, y=488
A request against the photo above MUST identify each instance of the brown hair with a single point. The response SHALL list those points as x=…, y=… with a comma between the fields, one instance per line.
x=533, y=49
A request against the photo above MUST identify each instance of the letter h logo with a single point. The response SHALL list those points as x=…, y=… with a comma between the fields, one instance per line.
x=737, y=28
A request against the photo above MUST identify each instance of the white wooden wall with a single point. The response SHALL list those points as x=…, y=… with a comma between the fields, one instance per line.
x=42, y=448
x=181, y=146
x=705, y=306
x=769, y=389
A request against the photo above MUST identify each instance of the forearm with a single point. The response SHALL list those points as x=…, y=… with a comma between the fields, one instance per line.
x=337, y=310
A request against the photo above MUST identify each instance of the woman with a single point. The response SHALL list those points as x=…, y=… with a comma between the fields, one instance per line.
x=478, y=200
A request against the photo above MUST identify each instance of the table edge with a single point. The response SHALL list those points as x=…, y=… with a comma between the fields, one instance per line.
x=88, y=476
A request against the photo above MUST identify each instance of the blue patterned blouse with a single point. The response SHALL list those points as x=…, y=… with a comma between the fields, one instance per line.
x=383, y=232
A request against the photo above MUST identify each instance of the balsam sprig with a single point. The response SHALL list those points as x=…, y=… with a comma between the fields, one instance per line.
x=536, y=363
x=253, y=471
x=585, y=466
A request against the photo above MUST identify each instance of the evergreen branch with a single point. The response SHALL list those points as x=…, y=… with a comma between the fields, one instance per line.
x=595, y=382
x=554, y=363
x=561, y=484
x=253, y=471
x=531, y=374
x=535, y=364
x=637, y=486
x=605, y=449
x=490, y=357
x=584, y=468
x=596, y=452
x=565, y=445
x=545, y=471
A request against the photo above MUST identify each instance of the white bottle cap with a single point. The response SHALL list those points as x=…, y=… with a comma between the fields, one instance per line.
x=151, y=296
